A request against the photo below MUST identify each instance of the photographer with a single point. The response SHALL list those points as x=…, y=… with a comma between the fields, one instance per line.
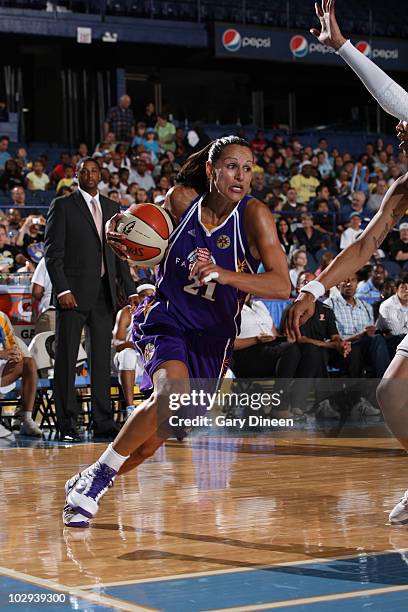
x=30, y=238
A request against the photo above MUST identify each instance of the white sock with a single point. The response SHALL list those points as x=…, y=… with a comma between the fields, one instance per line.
x=26, y=416
x=112, y=459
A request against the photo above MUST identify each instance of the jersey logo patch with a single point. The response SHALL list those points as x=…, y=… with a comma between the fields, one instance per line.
x=149, y=352
x=199, y=254
x=223, y=242
x=242, y=266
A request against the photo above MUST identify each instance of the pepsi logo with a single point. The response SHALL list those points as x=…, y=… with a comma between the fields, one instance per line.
x=364, y=47
x=299, y=46
x=231, y=39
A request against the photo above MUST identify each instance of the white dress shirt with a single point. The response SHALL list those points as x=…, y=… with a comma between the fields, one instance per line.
x=255, y=320
x=393, y=316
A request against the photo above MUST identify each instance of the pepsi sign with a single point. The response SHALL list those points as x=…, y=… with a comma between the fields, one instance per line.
x=261, y=43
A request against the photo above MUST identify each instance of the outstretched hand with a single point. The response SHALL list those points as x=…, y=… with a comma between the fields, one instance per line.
x=298, y=313
x=329, y=33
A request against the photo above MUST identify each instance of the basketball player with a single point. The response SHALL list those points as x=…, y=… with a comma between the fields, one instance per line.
x=187, y=330
x=391, y=393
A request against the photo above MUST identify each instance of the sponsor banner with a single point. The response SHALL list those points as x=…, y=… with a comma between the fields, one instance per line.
x=252, y=42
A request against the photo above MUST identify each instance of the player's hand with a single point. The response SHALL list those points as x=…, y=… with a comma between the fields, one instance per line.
x=343, y=347
x=114, y=238
x=329, y=33
x=67, y=301
x=299, y=312
x=207, y=271
x=402, y=135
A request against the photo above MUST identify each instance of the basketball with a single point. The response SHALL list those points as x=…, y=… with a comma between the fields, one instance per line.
x=146, y=229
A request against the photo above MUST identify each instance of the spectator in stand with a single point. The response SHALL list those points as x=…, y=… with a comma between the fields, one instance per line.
x=382, y=161
x=355, y=322
x=69, y=178
x=123, y=180
x=38, y=179
x=352, y=232
x=14, y=218
x=12, y=176
x=389, y=288
x=22, y=160
x=259, y=189
x=31, y=238
x=130, y=195
x=4, y=154
x=292, y=205
x=120, y=120
x=297, y=265
x=166, y=132
x=393, y=174
x=322, y=147
x=399, y=248
x=285, y=235
x=140, y=134
x=15, y=363
x=149, y=118
x=323, y=219
x=324, y=166
x=307, y=235
x=10, y=256
x=141, y=196
x=116, y=162
x=114, y=195
x=393, y=312
x=103, y=186
x=58, y=172
x=376, y=198
x=151, y=144
x=140, y=175
x=326, y=258
x=107, y=144
x=372, y=287
x=259, y=143
x=114, y=182
x=304, y=183
x=83, y=150
x=357, y=204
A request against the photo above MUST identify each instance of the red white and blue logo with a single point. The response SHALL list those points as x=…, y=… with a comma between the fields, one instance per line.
x=231, y=39
x=299, y=46
x=364, y=47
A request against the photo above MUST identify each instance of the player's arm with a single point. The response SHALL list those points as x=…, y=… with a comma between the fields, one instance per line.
x=178, y=199
x=389, y=95
x=350, y=260
x=264, y=244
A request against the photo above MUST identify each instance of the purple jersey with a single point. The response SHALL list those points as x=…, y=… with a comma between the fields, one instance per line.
x=212, y=309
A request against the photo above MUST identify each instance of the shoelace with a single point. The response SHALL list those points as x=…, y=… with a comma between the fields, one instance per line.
x=101, y=479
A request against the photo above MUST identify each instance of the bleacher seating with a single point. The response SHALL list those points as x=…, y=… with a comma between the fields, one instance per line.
x=363, y=17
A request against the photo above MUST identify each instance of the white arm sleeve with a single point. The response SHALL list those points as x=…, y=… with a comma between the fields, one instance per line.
x=389, y=95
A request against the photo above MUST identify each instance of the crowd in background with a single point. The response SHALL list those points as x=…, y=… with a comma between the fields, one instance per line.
x=322, y=199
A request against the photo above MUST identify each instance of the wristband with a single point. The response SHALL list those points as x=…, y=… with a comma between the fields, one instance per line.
x=315, y=288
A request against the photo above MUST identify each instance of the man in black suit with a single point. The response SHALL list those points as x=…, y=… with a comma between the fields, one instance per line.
x=83, y=272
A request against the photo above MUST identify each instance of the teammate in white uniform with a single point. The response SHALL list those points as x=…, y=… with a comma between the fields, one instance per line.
x=391, y=392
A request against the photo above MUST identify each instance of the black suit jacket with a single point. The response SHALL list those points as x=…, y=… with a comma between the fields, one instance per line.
x=73, y=251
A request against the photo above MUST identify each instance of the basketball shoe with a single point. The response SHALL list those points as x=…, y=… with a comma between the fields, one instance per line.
x=399, y=514
x=70, y=517
x=85, y=494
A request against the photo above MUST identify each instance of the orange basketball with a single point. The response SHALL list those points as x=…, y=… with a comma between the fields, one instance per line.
x=146, y=229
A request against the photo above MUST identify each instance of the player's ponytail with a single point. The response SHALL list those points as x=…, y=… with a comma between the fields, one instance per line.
x=193, y=172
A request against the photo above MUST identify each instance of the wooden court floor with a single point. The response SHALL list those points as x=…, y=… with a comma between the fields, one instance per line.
x=214, y=523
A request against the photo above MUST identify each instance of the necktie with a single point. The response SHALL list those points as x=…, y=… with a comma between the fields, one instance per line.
x=97, y=216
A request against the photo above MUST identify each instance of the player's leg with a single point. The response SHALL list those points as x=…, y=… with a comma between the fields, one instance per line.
x=145, y=450
x=126, y=363
x=9, y=374
x=28, y=392
x=391, y=396
x=84, y=494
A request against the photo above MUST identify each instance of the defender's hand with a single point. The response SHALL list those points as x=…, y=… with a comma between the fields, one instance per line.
x=329, y=34
x=299, y=312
